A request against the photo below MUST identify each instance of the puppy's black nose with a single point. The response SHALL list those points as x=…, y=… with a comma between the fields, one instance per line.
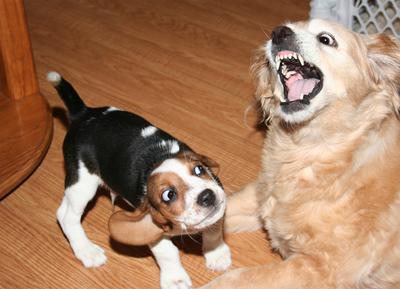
x=281, y=34
x=206, y=198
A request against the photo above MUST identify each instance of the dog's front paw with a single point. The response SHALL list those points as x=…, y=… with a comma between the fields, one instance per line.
x=91, y=255
x=175, y=278
x=219, y=259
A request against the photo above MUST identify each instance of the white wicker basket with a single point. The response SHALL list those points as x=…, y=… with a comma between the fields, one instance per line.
x=364, y=16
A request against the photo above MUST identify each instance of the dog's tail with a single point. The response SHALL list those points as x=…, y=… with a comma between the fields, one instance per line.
x=75, y=105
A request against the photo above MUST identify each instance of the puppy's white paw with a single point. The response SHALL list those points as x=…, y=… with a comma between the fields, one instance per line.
x=175, y=278
x=219, y=259
x=91, y=255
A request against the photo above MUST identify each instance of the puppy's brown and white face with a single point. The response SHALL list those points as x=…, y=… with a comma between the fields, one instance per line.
x=186, y=192
x=306, y=66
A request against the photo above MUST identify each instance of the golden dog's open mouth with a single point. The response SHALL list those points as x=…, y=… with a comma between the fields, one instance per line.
x=301, y=80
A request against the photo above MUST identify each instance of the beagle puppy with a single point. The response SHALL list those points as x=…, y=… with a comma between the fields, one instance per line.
x=172, y=189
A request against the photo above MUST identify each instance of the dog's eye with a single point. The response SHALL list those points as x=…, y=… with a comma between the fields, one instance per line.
x=198, y=171
x=169, y=195
x=327, y=39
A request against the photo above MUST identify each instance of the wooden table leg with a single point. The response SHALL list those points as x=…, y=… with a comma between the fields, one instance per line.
x=25, y=119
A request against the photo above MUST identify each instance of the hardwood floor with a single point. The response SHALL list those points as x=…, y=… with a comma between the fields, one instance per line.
x=183, y=65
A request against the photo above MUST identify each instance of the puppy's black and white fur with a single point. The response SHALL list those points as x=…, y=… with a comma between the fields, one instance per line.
x=122, y=151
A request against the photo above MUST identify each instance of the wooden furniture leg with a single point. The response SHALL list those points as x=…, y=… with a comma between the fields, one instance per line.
x=25, y=118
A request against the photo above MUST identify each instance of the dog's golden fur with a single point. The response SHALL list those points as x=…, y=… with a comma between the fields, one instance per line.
x=329, y=190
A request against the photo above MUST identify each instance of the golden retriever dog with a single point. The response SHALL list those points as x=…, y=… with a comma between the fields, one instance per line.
x=329, y=190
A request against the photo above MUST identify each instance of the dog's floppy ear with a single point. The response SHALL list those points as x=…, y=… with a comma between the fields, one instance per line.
x=263, y=80
x=134, y=228
x=160, y=220
x=384, y=55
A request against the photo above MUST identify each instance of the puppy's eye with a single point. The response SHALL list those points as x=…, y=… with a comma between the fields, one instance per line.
x=327, y=39
x=198, y=170
x=169, y=195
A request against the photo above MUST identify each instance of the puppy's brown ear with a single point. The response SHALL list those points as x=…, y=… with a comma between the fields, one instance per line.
x=384, y=55
x=160, y=220
x=264, y=82
x=134, y=228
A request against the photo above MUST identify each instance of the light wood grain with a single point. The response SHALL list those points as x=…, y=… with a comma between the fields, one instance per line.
x=17, y=69
x=25, y=133
x=26, y=124
x=184, y=66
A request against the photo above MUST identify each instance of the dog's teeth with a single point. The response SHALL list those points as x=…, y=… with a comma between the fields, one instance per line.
x=278, y=62
x=301, y=60
x=295, y=55
x=301, y=96
x=290, y=73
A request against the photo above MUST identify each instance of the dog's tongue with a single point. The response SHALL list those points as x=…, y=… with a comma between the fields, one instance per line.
x=297, y=86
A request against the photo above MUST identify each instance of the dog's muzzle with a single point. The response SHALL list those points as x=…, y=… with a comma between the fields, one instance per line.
x=300, y=79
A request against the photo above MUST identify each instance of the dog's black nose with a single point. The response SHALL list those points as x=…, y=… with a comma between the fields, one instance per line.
x=280, y=34
x=206, y=198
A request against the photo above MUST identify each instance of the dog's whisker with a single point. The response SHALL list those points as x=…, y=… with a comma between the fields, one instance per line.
x=194, y=240
x=262, y=29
